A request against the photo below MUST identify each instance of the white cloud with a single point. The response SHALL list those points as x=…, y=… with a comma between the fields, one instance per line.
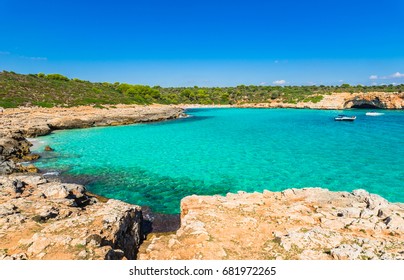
x=341, y=81
x=374, y=84
x=263, y=83
x=393, y=76
x=279, y=82
x=397, y=75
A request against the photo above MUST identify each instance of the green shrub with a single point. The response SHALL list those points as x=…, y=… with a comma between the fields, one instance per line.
x=58, y=77
x=56, y=90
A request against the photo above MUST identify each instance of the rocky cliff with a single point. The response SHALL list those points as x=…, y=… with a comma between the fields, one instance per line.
x=294, y=224
x=338, y=101
x=33, y=122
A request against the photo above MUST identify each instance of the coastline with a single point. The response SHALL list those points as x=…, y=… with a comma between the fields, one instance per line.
x=43, y=121
x=332, y=101
x=50, y=219
x=295, y=224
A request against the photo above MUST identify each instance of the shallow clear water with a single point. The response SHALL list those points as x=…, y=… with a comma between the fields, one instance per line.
x=216, y=151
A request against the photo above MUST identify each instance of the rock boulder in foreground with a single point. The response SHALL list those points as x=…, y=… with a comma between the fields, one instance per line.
x=52, y=220
x=294, y=224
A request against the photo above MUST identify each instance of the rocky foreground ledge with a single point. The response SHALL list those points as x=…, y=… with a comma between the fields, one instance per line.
x=294, y=224
x=40, y=219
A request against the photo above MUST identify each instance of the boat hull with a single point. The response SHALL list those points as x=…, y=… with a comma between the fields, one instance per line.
x=345, y=120
x=374, y=114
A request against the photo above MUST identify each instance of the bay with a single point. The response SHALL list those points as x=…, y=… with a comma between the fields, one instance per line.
x=216, y=151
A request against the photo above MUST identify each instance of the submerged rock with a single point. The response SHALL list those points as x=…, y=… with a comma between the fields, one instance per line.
x=48, y=148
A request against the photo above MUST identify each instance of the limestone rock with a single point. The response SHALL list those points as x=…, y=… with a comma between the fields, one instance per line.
x=7, y=209
x=48, y=148
x=47, y=213
x=35, y=129
x=125, y=221
x=293, y=224
x=54, y=190
x=31, y=157
x=6, y=167
x=346, y=252
x=29, y=168
x=342, y=100
x=12, y=186
x=52, y=220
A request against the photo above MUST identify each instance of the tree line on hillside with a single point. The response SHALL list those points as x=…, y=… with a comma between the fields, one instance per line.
x=58, y=90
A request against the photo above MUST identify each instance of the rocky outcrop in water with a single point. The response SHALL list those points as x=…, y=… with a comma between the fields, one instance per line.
x=40, y=219
x=293, y=224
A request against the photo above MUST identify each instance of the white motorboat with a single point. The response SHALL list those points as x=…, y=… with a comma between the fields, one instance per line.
x=374, y=114
x=345, y=118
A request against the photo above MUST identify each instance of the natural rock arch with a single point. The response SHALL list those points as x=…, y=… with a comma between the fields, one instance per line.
x=361, y=103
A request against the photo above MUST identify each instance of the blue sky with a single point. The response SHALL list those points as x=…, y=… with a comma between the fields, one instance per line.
x=206, y=43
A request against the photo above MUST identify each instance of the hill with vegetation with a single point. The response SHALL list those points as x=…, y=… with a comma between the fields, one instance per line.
x=57, y=90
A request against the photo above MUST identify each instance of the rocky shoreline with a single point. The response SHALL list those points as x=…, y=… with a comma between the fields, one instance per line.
x=40, y=219
x=45, y=219
x=295, y=224
x=339, y=101
x=18, y=124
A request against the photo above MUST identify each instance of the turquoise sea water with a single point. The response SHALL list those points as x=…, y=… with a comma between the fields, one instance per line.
x=216, y=151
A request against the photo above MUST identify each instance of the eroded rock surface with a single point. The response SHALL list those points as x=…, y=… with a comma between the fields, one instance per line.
x=52, y=220
x=293, y=224
x=41, y=121
x=13, y=148
x=339, y=101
